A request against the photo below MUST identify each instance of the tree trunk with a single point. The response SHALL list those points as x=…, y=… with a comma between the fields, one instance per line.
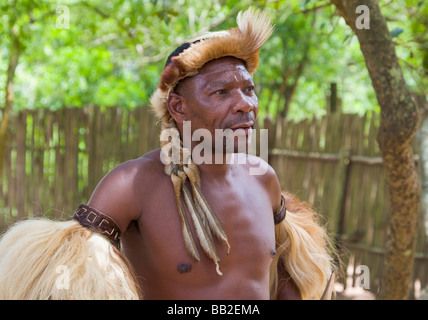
x=15, y=49
x=399, y=122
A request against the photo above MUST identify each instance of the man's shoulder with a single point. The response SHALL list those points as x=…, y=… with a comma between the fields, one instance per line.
x=148, y=163
x=256, y=166
x=131, y=173
x=151, y=157
x=265, y=175
x=118, y=194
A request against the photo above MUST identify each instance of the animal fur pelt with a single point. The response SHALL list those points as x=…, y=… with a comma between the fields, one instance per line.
x=304, y=252
x=42, y=259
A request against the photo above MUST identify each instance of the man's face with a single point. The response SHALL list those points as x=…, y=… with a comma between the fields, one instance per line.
x=220, y=96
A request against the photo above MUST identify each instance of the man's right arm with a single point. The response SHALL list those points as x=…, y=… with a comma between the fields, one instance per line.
x=115, y=195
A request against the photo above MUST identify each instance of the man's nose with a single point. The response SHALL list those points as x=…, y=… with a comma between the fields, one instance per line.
x=245, y=103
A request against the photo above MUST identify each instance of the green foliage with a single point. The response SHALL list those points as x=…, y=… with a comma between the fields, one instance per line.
x=114, y=51
x=408, y=22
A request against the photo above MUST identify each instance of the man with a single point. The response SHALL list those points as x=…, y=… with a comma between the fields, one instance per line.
x=147, y=212
x=210, y=230
x=209, y=83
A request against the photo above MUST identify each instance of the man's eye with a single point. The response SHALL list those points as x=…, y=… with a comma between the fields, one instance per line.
x=220, y=92
x=249, y=89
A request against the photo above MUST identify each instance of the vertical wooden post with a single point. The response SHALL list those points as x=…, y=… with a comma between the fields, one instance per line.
x=267, y=124
x=21, y=189
x=333, y=97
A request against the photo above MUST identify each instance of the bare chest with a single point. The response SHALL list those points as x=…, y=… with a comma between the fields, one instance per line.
x=160, y=256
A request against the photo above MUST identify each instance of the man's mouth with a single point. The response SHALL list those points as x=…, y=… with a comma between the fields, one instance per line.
x=243, y=128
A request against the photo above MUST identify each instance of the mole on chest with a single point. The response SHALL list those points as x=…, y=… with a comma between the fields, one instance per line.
x=184, y=267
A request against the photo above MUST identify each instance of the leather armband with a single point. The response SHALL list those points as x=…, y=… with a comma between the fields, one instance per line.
x=280, y=214
x=98, y=222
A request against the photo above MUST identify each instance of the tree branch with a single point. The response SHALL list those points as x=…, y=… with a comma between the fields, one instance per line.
x=129, y=32
x=314, y=8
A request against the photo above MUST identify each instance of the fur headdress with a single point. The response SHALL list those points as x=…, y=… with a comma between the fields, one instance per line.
x=242, y=42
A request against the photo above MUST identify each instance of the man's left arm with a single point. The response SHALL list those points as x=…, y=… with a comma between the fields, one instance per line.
x=287, y=289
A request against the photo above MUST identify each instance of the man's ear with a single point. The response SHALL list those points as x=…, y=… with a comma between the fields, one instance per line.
x=176, y=107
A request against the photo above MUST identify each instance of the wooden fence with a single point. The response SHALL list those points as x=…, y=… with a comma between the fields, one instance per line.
x=55, y=159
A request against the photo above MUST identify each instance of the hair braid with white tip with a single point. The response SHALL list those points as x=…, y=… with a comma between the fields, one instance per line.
x=181, y=168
